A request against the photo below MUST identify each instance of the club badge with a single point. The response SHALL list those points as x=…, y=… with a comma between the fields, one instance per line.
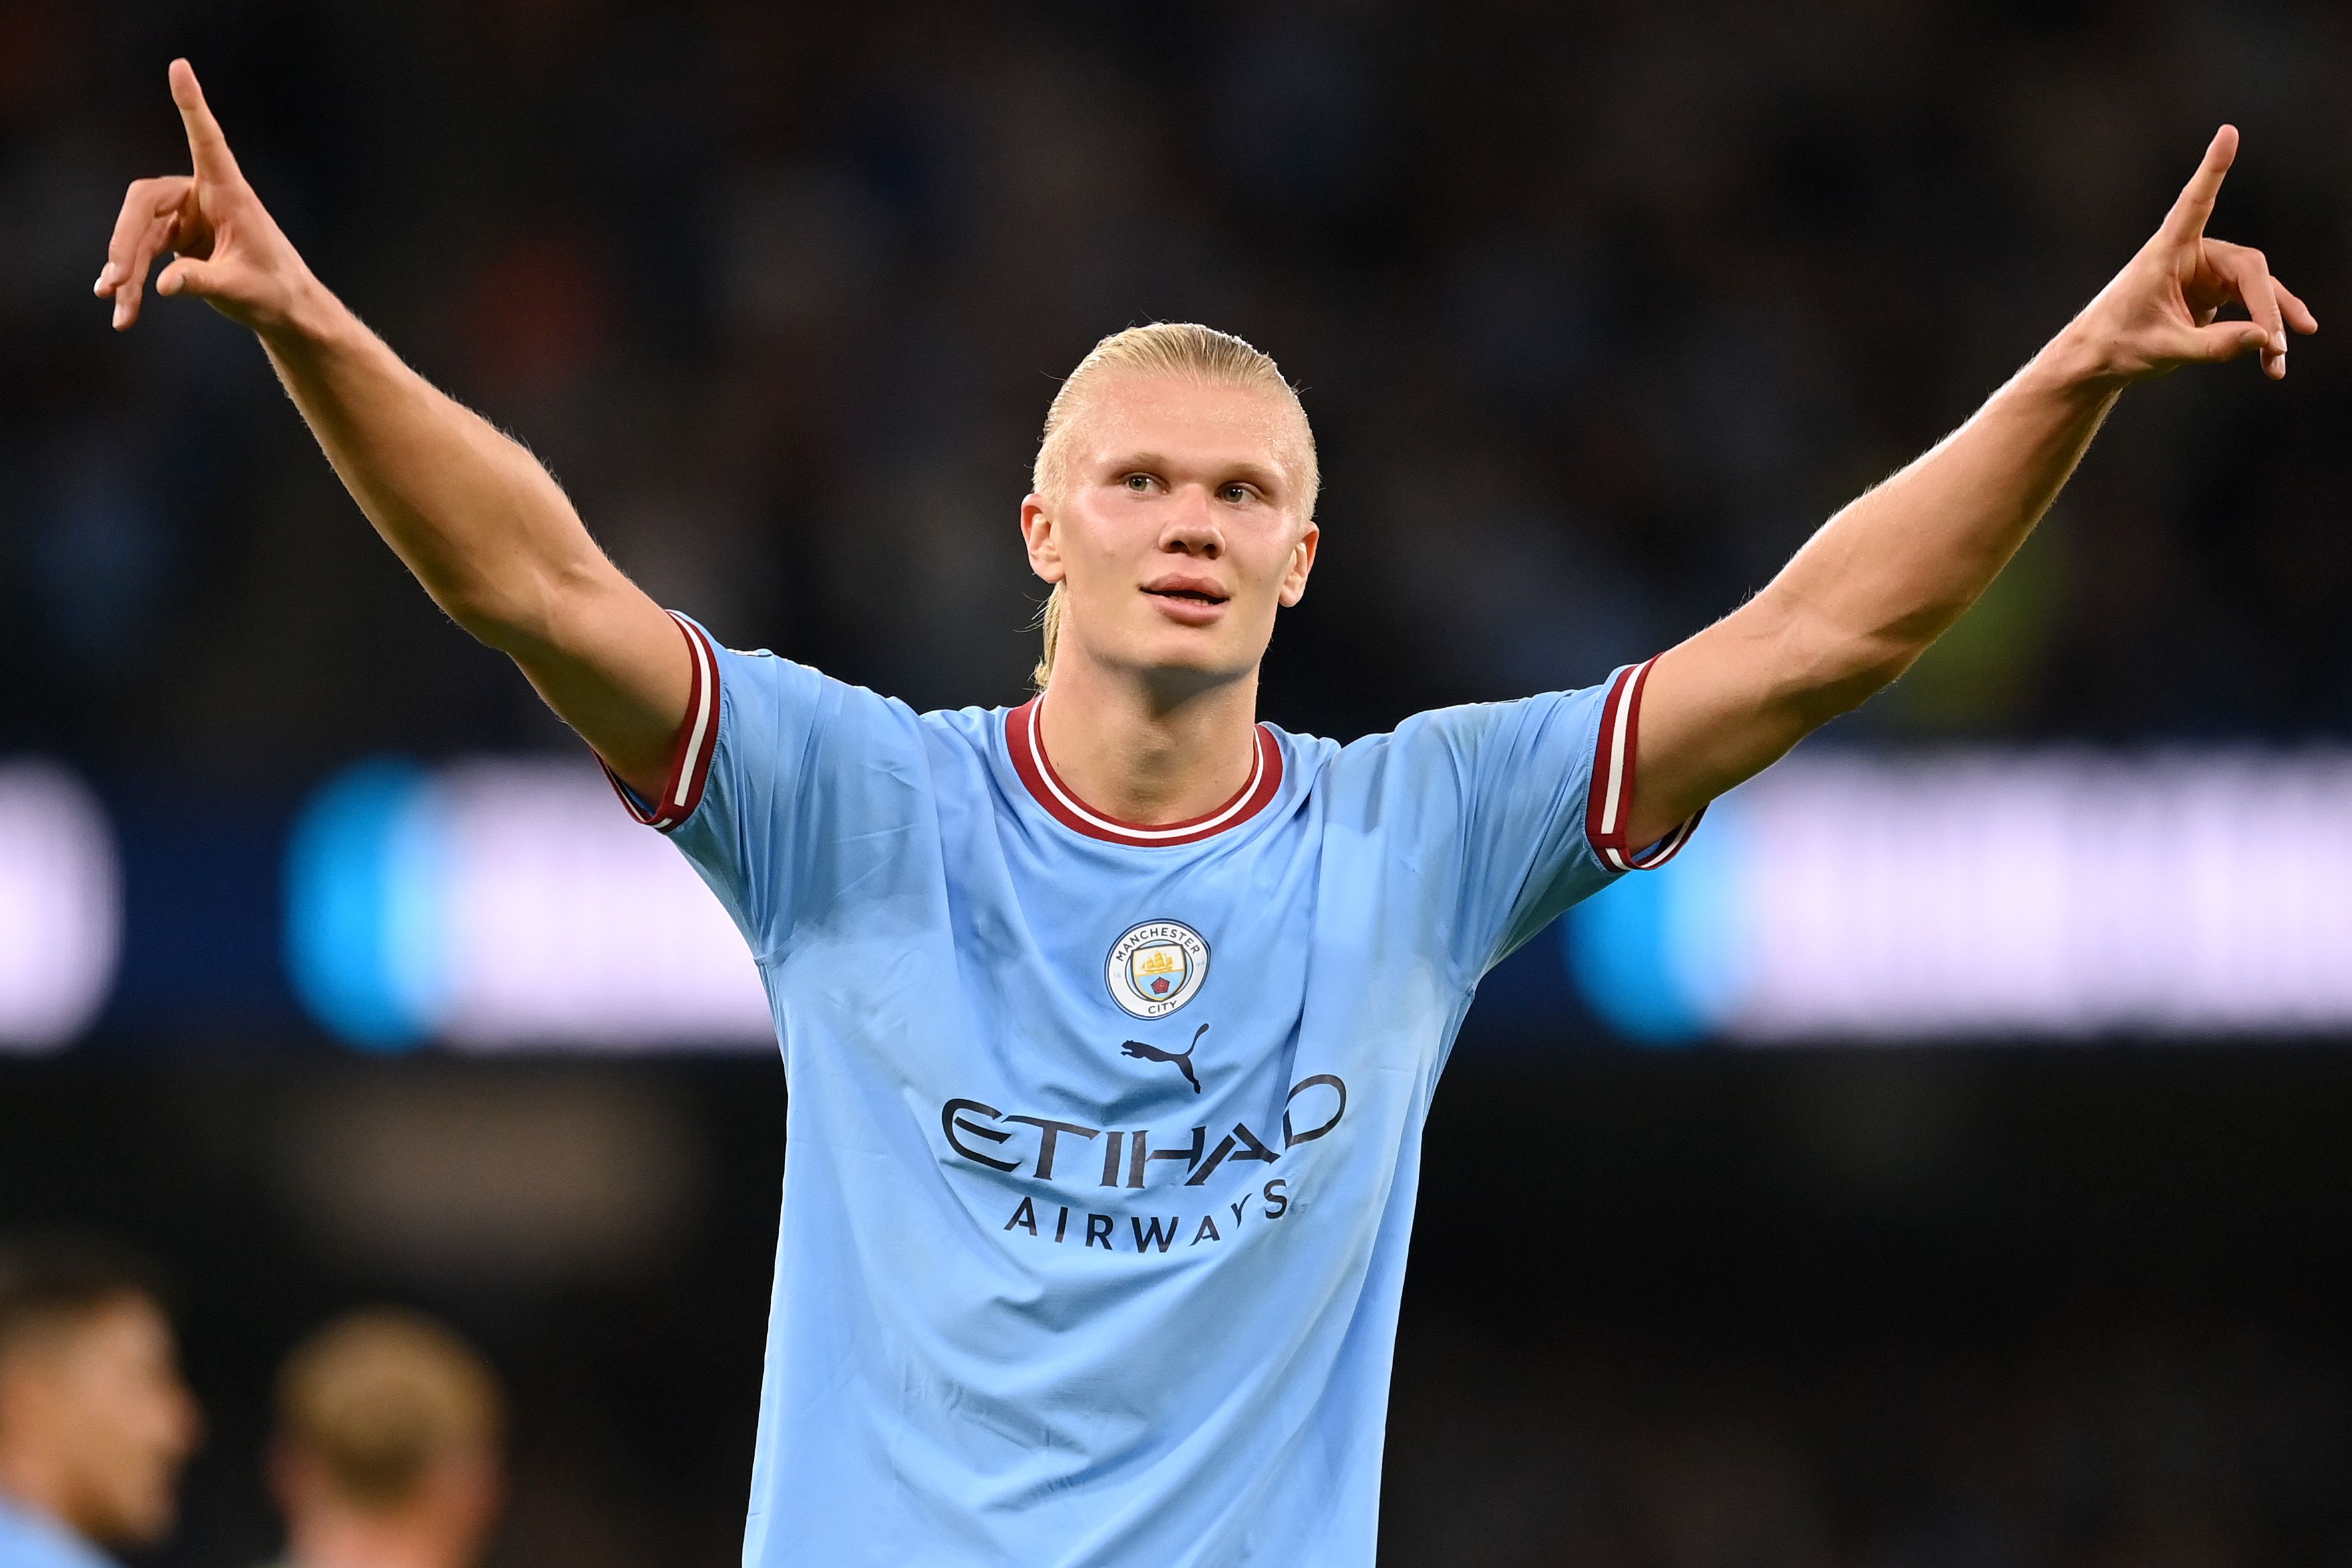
x=1155, y=968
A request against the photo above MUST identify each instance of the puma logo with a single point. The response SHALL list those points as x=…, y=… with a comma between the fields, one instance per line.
x=1182, y=1058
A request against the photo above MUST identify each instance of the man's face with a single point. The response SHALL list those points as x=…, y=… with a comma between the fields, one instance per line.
x=456, y=1499
x=102, y=1396
x=1177, y=529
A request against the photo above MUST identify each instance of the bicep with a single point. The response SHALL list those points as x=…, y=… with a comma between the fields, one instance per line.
x=1717, y=709
x=617, y=668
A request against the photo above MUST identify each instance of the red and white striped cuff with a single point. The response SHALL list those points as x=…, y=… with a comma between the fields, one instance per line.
x=698, y=737
x=1609, y=804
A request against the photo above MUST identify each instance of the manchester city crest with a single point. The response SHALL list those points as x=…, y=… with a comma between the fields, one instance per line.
x=1155, y=968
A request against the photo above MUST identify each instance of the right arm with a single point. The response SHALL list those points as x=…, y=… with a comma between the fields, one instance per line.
x=1882, y=581
x=480, y=522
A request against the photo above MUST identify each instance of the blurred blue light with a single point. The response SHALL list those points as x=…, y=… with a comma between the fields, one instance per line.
x=1658, y=957
x=366, y=876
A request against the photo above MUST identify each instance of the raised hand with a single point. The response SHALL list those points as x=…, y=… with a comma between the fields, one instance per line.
x=2159, y=312
x=228, y=252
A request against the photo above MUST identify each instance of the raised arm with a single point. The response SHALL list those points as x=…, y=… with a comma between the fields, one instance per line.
x=1884, y=578
x=484, y=528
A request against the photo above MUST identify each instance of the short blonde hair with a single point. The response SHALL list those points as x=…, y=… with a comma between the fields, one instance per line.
x=381, y=1397
x=1163, y=348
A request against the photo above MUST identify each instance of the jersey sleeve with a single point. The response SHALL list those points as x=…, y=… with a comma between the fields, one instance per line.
x=1544, y=787
x=784, y=785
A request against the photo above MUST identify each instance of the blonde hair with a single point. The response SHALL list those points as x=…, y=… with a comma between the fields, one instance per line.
x=380, y=1396
x=1163, y=348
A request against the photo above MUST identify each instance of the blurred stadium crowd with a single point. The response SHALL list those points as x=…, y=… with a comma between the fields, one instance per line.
x=1777, y=1310
x=1597, y=312
x=1597, y=316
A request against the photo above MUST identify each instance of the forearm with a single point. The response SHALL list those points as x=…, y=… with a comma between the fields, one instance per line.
x=1887, y=575
x=490, y=535
x=474, y=515
x=1866, y=595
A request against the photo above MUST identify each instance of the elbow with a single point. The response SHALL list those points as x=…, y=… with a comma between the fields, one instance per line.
x=1829, y=671
x=511, y=619
x=1836, y=697
x=494, y=618
x=521, y=612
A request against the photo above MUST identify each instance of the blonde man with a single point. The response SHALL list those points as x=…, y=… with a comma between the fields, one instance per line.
x=1111, y=1020
x=388, y=1449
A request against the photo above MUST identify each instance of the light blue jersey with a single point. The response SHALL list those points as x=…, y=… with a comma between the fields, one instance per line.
x=32, y=1539
x=1103, y=1139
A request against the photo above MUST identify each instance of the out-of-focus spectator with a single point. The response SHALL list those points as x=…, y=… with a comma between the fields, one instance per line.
x=94, y=1420
x=389, y=1449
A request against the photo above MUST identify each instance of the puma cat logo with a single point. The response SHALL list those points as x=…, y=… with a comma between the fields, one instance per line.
x=1182, y=1058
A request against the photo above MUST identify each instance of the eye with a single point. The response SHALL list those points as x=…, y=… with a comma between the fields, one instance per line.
x=1236, y=493
x=1138, y=483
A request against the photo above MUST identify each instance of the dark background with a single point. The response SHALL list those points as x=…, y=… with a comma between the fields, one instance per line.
x=1598, y=312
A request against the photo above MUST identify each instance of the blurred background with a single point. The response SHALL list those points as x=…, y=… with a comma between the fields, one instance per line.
x=1943, y=1164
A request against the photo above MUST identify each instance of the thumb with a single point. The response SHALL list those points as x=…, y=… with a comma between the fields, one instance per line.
x=2227, y=341
x=188, y=275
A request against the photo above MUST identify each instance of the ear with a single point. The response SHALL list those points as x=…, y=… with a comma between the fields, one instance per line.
x=1302, y=561
x=1039, y=535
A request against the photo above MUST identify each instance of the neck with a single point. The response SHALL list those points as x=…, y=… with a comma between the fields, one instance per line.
x=1146, y=755
x=341, y=1538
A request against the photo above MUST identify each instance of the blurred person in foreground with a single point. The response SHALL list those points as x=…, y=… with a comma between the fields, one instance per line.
x=388, y=1451
x=94, y=1420
x=1069, y=1273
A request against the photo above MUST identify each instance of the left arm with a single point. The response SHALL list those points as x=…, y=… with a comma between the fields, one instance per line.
x=1884, y=578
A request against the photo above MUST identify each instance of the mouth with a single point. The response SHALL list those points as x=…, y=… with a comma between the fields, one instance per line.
x=1190, y=603
x=1189, y=595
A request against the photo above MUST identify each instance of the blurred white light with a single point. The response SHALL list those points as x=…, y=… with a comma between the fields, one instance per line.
x=60, y=907
x=570, y=925
x=503, y=905
x=1841, y=897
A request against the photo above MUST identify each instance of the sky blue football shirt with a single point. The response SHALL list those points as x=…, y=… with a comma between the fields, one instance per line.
x=32, y=1540
x=1103, y=1139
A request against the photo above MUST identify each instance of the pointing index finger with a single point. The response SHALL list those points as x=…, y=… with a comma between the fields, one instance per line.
x=206, y=146
x=2187, y=219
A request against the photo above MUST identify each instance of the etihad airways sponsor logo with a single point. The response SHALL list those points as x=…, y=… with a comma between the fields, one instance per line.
x=1152, y=1232
x=1051, y=1150
x=984, y=1135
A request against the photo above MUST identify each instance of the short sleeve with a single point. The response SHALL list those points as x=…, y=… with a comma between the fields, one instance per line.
x=786, y=787
x=1543, y=785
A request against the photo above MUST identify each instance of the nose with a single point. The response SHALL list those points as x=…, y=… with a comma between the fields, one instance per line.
x=1193, y=527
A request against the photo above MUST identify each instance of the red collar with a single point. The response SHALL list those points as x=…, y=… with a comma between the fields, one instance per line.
x=1022, y=739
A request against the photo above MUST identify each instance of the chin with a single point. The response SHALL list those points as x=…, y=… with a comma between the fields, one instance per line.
x=139, y=1520
x=1207, y=655
x=1182, y=670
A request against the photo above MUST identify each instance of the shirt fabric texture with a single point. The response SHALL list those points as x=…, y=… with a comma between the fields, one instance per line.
x=1103, y=1141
